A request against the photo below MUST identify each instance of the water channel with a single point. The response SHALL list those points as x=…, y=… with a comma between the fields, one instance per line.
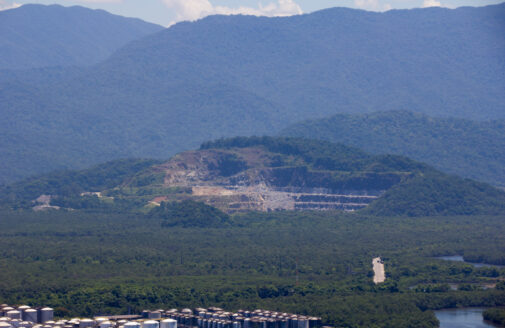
x=462, y=318
x=459, y=258
x=467, y=317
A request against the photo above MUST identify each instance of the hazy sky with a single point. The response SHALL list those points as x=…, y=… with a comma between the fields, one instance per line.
x=165, y=12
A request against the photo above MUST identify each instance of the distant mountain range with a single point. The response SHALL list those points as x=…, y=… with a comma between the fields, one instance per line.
x=264, y=174
x=37, y=36
x=240, y=75
x=467, y=148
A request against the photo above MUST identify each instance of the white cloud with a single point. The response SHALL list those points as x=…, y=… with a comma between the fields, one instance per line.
x=431, y=3
x=4, y=5
x=195, y=9
x=373, y=5
x=102, y=1
x=381, y=5
x=189, y=9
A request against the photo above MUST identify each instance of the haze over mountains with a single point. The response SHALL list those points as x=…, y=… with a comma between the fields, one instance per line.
x=240, y=75
x=38, y=36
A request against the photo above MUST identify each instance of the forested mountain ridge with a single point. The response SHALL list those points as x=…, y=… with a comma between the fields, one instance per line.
x=38, y=35
x=239, y=75
x=266, y=174
x=349, y=60
x=467, y=148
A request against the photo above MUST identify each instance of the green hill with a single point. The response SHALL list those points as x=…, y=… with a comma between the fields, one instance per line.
x=72, y=183
x=467, y=148
x=439, y=194
x=265, y=174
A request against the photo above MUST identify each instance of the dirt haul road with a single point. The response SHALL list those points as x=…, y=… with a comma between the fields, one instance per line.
x=378, y=269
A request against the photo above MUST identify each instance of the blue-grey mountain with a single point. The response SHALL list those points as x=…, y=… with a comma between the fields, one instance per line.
x=38, y=36
x=239, y=75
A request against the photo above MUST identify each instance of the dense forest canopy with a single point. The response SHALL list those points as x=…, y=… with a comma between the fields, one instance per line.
x=85, y=263
x=496, y=316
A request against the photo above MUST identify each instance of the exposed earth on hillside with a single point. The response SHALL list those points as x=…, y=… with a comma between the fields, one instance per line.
x=264, y=174
x=254, y=179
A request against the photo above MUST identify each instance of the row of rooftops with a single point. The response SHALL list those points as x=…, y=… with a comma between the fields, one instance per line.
x=212, y=317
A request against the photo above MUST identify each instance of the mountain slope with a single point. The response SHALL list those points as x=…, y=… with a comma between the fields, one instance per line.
x=238, y=75
x=432, y=60
x=439, y=194
x=73, y=183
x=75, y=134
x=466, y=148
x=38, y=35
x=265, y=174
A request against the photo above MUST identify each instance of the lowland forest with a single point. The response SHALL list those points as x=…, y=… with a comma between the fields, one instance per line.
x=114, y=251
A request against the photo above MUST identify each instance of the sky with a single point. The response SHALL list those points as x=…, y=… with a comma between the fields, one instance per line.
x=168, y=12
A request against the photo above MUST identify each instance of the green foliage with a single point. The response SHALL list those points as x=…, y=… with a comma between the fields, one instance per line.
x=73, y=183
x=436, y=288
x=496, y=316
x=230, y=164
x=467, y=148
x=467, y=287
x=438, y=194
x=190, y=214
x=321, y=155
x=84, y=263
x=145, y=178
x=77, y=202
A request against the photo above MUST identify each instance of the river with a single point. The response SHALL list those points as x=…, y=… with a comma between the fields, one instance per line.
x=459, y=258
x=462, y=318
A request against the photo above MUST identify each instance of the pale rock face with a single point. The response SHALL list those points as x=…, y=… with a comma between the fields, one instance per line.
x=254, y=184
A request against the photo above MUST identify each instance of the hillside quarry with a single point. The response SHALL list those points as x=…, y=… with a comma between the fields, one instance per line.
x=262, y=174
x=251, y=180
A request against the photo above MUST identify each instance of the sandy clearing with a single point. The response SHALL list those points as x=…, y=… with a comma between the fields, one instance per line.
x=378, y=269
